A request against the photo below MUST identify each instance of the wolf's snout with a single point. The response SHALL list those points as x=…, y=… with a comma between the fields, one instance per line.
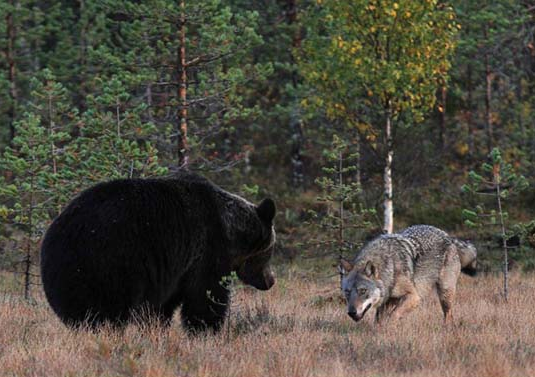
x=365, y=310
x=354, y=316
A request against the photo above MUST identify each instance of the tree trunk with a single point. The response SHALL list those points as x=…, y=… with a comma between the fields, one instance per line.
x=83, y=58
x=341, y=212
x=469, y=117
x=297, y=161
x=183, y=149
x=503, y=234
x=148, y=91
x=488, y=94
x=388, y=201
x=521, y=125
x=296, y=124
x=12, y=76
x=358, y=177
x=51, y=132
x=442, y=136
x=28, y=256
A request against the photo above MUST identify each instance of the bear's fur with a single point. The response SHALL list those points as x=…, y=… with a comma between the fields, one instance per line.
x=136, y=245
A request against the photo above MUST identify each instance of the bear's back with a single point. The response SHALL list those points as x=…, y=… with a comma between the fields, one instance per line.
x=126, y=242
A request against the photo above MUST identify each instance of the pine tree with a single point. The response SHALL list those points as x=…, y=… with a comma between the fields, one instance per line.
x=30, y=195
x=497, y=181
x=188, y=61
x=346, y=217
x=487, y=80
x=38, y=171
x=114, y=141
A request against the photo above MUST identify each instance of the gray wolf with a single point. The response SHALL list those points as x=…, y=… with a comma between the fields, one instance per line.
x=393, y=272
x=152, y=245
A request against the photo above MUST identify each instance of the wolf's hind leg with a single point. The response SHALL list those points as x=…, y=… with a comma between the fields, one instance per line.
x=447, y=283
x=446, y=298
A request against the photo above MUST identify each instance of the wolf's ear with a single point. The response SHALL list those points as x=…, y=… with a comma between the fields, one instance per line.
x=266, y=210
x=345, y=266
x=370, y=270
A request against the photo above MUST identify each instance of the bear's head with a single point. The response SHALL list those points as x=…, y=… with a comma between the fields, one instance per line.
x=254, y=243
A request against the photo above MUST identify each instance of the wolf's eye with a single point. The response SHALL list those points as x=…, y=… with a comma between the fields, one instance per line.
x=362, y=291
x=347, y=292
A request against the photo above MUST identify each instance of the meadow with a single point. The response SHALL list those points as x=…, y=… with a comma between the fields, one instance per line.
x=299, y=328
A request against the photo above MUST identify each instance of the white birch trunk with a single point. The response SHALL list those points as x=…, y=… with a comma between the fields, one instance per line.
x=388, y=203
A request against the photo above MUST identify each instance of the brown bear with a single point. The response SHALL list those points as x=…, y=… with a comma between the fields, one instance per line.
x=135, y=245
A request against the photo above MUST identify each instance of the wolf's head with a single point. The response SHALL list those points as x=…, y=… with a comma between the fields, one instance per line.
x=361, y=288
x=467, y=256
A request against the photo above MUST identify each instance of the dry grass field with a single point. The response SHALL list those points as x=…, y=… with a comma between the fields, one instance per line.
x=299, y=329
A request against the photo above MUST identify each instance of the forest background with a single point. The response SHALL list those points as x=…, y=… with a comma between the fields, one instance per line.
x=337, y=111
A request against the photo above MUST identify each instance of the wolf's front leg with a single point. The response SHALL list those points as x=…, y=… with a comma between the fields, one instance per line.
x=407, y=303
x=385, y=311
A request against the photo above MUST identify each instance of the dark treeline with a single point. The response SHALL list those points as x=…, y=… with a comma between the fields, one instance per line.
x=259, y=95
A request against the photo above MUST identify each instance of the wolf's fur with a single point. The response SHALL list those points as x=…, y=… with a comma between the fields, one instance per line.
x=393, y=272
x=467, y=255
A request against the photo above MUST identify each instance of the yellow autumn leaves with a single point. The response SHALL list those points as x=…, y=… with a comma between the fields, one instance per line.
x=366, y=53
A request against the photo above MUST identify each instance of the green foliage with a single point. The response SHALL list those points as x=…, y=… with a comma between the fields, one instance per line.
x=97, y=83
x=250, y=190
x=345, y=216
x=366, y=55
x=44, y=167
x=488, y=27
x=497, y=178
x=38, y=164
x=28, y=161
x=32, y=193
x=218, y=42
x=372, y=65
x=114, y=140
x=230, y=281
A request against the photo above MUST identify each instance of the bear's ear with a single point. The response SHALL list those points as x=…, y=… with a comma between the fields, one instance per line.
x=266, y=210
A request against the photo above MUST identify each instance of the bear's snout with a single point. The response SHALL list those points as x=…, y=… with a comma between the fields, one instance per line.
x=262, y=280
x=265, y=281
x=269, y=280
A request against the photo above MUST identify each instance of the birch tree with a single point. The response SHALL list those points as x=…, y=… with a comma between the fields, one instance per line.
x=374, y=63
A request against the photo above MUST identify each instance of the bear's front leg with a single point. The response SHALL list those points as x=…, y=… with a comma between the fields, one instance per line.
x=205, y=309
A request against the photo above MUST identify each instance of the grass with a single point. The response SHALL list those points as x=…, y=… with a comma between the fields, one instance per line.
x=298, y=328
